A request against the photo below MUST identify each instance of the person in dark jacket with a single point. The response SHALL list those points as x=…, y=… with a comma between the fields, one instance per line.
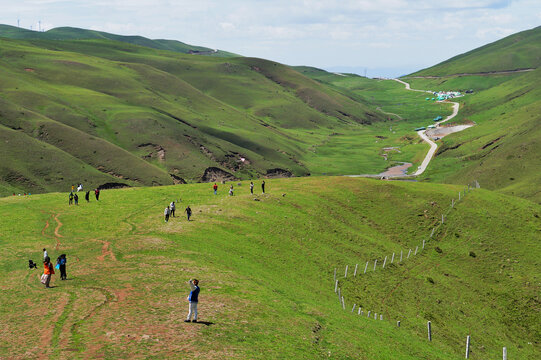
x=76, y=198
x=70, y=198
x=193, y=299
x=61, y=261
x=97, y=193
x=87, y=196
x=188, y=212
x=263, y=186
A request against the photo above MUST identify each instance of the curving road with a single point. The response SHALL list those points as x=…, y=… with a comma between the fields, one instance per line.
x=421, y=133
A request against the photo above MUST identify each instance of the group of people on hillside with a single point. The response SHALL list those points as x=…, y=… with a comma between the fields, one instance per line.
x=48, y=268
x=74, y=198
x=170, y=211
x=231, y=189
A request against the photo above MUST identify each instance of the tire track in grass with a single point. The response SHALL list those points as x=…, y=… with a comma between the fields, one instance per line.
x=56, y=233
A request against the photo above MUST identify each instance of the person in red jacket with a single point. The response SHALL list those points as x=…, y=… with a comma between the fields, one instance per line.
x=48, y=271
x=215, y=187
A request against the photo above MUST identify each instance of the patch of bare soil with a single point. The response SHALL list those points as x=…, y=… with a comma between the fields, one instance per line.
x=106, y=251
x=47, y=333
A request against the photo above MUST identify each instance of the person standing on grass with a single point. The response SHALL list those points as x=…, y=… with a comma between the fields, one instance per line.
x=48, y=271
x=87, y=196
x=166, y=213
x=45, y=255
x=193, y=299
x=251, y=187
x=231, y=190
x=172, y=207
x=76, y=198
x=215, y=187
x=263, y=186
x=97, y=193
x=61, y=261
x=188, y=212
x=70, y=198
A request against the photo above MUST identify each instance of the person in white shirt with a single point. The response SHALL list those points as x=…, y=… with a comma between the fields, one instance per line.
x=172, y=207
x=45, y=254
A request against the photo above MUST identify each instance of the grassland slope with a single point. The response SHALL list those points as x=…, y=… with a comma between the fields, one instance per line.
x=514, y=52
x=266, y=269
x=143, y=116
x=71, y=33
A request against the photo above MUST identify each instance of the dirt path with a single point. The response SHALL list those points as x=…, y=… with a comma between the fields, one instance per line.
x=56, y=233
x=389, y=113
x=106, y=251
x=47, y=334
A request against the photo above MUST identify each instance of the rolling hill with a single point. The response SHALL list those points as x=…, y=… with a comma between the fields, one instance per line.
x=515, y=52
x=71, y=33
x=502, y=150
x=141, y=116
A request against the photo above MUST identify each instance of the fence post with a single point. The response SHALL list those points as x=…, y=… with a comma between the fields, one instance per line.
x=355, y=272
x=468, y=347
x=359, y=312
x=366, y=267
x=429, y=325
x=339, y=295
x=442, y=218
x=346, y=273
x=409, y=253
x=392, y=259
x=375, y=263
x=398, y=323
x=416, y=248
x=384, y=262
x=432, y=233
x=380, y=317
x=423, y=243
x=400, y=255
x=375, y=316
x=353, y=308
x=336, y=286
x=368, y=313
x=343, y=303
x=504, y=353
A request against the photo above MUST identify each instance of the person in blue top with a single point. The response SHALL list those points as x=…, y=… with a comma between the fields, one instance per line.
x=193, y=299
x=61, y=262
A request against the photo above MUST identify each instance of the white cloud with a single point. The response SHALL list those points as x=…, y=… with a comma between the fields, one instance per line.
x=313, y=32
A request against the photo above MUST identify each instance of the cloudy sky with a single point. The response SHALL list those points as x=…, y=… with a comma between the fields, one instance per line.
x=386, y=37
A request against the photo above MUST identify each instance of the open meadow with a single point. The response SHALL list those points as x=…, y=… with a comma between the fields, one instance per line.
x=266, y=267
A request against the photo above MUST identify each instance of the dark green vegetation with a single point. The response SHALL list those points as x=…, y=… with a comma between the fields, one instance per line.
x=266, y=270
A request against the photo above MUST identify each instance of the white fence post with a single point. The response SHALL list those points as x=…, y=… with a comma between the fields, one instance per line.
x=381, y=317
x=442, y=218
x=353, y=308
x=398, y=323
x=355, y=272
x=359, y=312
x=346, y=273
x=468, y=347
x=375, y=263
x=392, y=259
x=343, y=304
x=504, y=353
x=429, y=325
x=384, y=262
x=375, y=316
x=368, y=313
x=409, y=253
x=336, y=286
x=432, y=233
x=423, y=243
x=416, y=248
x=366, y=267
x=401, y=255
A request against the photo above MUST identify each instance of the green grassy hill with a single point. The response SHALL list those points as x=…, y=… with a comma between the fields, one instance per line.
x=70, y=33
x=515, y=52
x=266, y=269
x=142, y=116
x=502, y=150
